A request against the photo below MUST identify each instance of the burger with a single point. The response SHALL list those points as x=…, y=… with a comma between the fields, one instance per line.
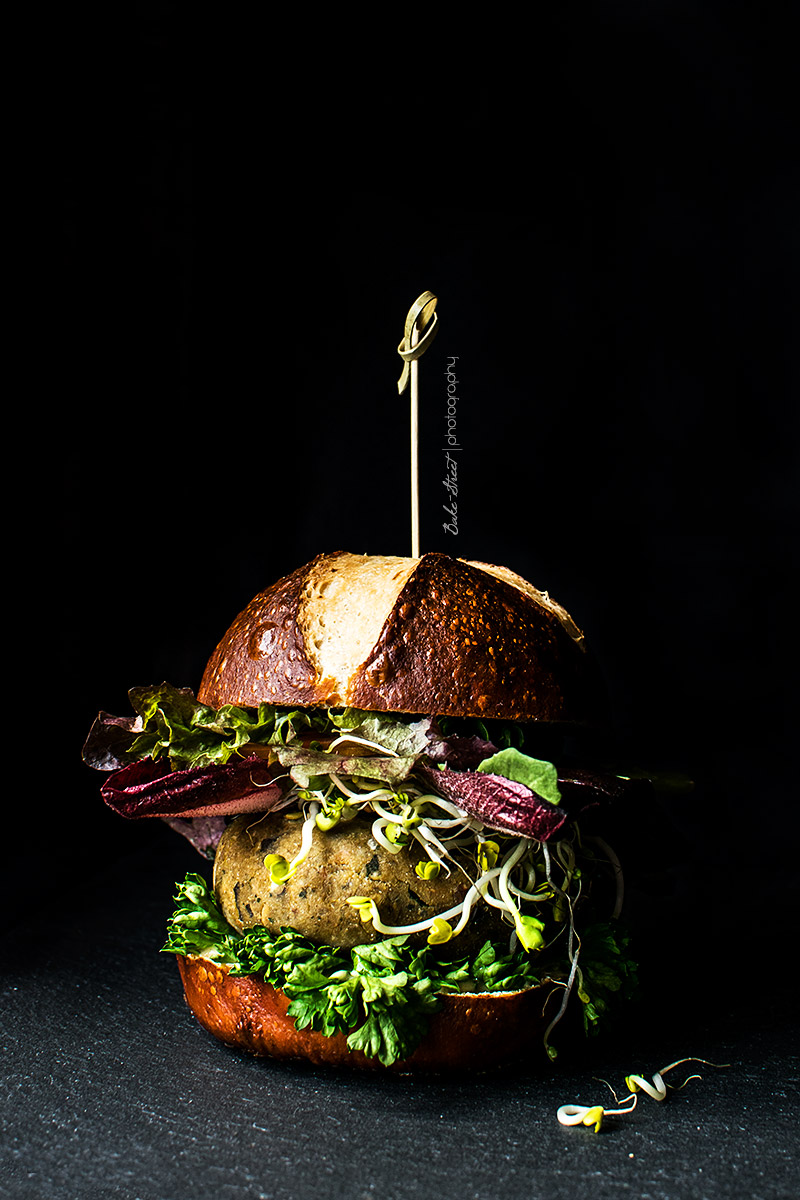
x=411, y=865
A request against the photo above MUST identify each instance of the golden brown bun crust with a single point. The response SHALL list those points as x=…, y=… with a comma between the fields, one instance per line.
x=470, y=1032
x=443, y=636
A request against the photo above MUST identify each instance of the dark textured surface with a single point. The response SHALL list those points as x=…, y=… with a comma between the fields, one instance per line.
x=112, y=1089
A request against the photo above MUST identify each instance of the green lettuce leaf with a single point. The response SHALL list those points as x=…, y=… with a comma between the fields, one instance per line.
x=307, y=765
x=496, y=972
x=404, y=738
x=175, y=725
x=540, y=776
x=608, y=974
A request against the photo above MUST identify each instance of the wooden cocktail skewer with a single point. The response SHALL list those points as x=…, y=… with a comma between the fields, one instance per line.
x=420, y=330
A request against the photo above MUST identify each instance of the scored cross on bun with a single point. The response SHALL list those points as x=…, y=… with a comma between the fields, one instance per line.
x=400, y=880
x=427, y=635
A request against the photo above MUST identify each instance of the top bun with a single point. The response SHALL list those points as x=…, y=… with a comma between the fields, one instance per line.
x=429, y=635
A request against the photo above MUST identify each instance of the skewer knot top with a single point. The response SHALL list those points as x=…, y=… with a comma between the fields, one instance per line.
x=420, y=330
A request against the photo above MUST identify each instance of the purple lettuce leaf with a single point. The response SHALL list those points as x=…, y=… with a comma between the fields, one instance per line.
x=500, y=804
x=203, y=833
x=510, y=807
x=106, y=747
x=582, y=789
x=460, y=752
x=153, y=789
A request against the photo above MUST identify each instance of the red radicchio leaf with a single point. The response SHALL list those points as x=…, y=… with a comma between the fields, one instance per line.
x=581, y=789
x=153, y=789
x=511, y=807
x=204, y=833
x=499, y=803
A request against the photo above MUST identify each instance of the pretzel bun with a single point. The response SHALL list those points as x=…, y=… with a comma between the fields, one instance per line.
x=471, y=1031
x=409, y=635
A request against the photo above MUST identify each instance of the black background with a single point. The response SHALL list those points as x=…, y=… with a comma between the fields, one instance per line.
x=232, y=221
x=607, y=216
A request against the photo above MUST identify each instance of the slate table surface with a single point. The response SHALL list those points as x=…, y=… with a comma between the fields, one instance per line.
x=111, y=1089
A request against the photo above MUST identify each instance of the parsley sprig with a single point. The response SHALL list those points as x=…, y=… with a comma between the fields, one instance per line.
x=381, y=995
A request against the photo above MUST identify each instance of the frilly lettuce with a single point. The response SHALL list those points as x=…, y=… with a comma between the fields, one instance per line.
x=382, y=994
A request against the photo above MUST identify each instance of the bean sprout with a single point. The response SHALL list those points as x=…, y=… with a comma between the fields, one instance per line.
x=513, y=875
x=618, y=877
x=277, y=865
x=367, y=797
x=359, y=741
x=593, y=1115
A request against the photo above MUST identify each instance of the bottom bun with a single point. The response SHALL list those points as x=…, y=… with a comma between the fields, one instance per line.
x=470, y=1032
